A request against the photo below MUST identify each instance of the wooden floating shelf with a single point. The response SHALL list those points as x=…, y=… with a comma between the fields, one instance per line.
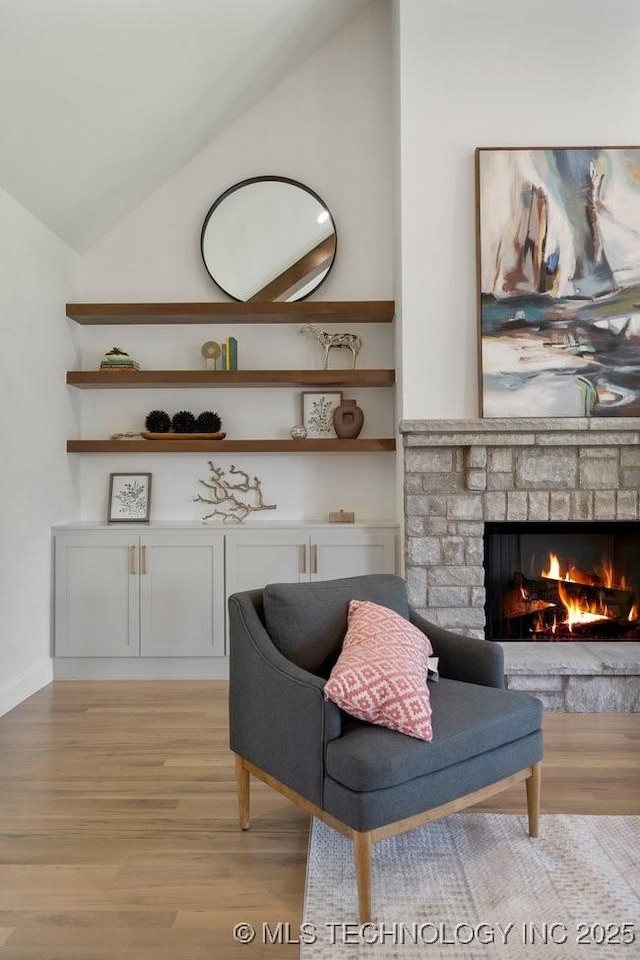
x=231, y=446
x=320, y=311
x=117, y=379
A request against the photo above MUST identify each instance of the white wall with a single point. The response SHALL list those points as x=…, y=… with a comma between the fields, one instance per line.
x=495, y=73
x=37, y=275
x=327, y=125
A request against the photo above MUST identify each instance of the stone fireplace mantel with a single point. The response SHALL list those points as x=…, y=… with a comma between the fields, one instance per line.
x=459, y=474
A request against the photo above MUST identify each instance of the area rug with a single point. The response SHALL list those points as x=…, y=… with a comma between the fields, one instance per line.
x=476, y=885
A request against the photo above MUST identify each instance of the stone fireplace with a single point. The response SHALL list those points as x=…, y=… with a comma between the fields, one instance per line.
x=462, y=475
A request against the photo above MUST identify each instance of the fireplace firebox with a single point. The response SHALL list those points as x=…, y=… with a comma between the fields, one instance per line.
x=562, y=581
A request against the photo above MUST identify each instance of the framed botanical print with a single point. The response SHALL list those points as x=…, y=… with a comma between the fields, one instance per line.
x=558, y=233
x=317, y=412
x=129, y=498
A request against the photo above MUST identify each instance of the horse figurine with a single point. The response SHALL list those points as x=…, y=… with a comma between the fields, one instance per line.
x=328, y=340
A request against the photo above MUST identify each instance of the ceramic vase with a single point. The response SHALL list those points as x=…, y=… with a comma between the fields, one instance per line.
x=347, y=420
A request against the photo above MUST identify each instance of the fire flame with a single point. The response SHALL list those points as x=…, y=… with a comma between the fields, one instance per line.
x=605, y=571
x=553, y=573
x=604, y=574
x=578, y=611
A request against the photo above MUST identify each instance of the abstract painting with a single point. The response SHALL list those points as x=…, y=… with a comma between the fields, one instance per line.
x=559, y=281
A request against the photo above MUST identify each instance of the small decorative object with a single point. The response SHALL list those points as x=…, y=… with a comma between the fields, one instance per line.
x=231, y=353
x=183, y=422
x=179, y=437
x=342, y=516
x=117, y=359
x=225, y=488
x=129, y=497
x=210, y=352
x=158, y=421
x=317, y=412
x=182, y=426
x=208, y=422
x=348, y=419
x=299, y=432
x=329, y=340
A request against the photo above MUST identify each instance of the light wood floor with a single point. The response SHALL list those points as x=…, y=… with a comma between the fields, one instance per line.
x=118, y=829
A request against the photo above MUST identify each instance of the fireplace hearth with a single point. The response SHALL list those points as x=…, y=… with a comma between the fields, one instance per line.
x=464, y=479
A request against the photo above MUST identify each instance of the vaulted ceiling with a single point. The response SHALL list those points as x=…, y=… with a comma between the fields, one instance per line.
x=104, y=100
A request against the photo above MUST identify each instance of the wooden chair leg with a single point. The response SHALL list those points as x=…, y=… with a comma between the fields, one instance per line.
x=362, y=857
x=533, y=799
x=242, y=782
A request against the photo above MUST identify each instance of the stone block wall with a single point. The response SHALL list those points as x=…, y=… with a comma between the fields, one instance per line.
x=460, y=473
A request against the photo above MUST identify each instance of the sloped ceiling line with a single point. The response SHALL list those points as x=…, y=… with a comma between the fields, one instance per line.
x=110, y=99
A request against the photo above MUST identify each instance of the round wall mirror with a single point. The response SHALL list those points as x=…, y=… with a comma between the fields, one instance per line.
x=267, y=239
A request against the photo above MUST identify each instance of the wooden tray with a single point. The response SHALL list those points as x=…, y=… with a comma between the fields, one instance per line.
x=183, y=436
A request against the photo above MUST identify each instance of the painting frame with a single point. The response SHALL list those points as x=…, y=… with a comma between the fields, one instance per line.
x=129, y=499
x=558, y=281
x=317, y=407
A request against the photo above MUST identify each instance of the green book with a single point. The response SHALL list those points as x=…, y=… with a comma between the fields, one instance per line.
x=232, y=353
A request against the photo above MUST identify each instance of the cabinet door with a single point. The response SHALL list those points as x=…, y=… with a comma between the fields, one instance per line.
x=96, y=595
x=257, y=557
x=181, y=594
x=352, y=553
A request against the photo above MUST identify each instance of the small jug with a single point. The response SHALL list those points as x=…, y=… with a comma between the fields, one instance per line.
x=347, y=420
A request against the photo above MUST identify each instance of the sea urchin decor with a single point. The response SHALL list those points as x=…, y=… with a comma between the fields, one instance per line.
x=183, y=425
x=183, y=422
x=224, y=492
x=158, y=421
x=208, y=422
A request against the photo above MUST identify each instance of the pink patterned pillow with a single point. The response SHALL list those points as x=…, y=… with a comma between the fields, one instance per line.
x=381, y=673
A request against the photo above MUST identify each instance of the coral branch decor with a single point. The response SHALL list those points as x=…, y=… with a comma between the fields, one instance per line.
x=224, y=492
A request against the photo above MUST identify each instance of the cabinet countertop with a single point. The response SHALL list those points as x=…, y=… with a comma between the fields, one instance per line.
x=94, y=526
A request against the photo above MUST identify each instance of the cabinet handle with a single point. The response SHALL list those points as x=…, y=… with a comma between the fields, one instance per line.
x=132, y=560
x=143, y=558
x=303, y=558
x=314, y=558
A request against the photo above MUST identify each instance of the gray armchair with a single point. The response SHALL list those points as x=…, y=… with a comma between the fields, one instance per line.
x=366, y=781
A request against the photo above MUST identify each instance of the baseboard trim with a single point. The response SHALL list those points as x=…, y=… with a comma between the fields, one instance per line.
x=140, y=668
x=17, y=689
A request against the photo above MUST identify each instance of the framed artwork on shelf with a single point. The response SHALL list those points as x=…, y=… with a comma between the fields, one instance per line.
x=317, y=412
x=129, y=498
x=558, y=249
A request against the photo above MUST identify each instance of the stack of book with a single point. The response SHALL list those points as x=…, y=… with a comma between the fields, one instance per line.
x=229, y=355
x=117, y=359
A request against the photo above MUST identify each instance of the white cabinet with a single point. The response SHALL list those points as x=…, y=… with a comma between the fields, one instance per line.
x=181, y=595
x=96, y=595
x=259, y=556
x=351, y=553
x=151, y=594
x=151, y=601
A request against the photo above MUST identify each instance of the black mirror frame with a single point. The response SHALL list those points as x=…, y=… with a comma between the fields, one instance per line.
x=262, y=179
